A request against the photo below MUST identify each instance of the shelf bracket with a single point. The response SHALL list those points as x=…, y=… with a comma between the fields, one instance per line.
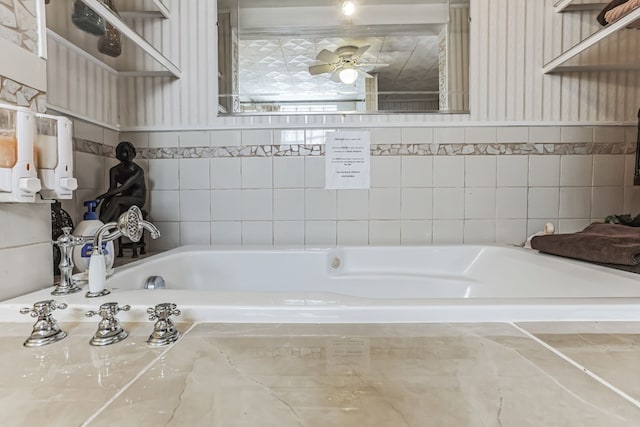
x=121, y=26
x=554, y=65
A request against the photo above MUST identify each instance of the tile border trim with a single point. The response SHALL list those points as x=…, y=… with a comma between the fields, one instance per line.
x=312, y=150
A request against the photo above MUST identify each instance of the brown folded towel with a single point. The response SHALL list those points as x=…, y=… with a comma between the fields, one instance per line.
x=602, y=243
x=615, y=3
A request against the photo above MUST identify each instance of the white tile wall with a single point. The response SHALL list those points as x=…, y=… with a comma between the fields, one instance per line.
x=480, y=203
x=576, y=171
x=257, y=233
x=288, y=172
x=164, y=205
x=448, y=203
x=288, y=204
x=415, y=232
x=194, y=174
x=163, y=174
x=257, y=172
x=320, y=233
x=288, y=233
x=417, y=203
x=195, y=233
x=320, y=204
x=448, y=171
x=385, y=171
x=448, y=232
x=225, y=173
x=417, y=171
x=543, y=202
x=226, y=233
x=417, y=135
x=414, y=199
x=512, y=171
x=480, y=171
x=194, y=139
x=384, y=203
x=384, y=233
x=353, y=204
x=353, y=233
x=479, y=231
x=163, y=139
x=257, y=205
x=608, y=170
x=225, y=138
x=31, y=269
x=544, y=171
x=226, y=205
x=195, y=205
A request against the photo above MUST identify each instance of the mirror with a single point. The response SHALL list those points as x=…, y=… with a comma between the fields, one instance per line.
x=306, y=56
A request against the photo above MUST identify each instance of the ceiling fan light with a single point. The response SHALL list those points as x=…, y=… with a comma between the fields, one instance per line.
x=348, y=75
x=348, y=7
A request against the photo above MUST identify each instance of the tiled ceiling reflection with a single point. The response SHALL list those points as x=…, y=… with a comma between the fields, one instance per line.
x=277, y=68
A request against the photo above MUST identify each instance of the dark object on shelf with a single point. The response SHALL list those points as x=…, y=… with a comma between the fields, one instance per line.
x=623, y=220
x=615, y=3
x=87, y=20
x=126, y=187
x=636, y=175
x=59, y=219
x=111, y=42
x=598, y=242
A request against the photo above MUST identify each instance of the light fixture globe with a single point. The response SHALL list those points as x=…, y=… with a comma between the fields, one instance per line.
x=348, y=7
x=348, y=75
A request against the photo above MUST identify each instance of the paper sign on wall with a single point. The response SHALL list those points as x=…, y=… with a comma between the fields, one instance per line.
x=348, y=160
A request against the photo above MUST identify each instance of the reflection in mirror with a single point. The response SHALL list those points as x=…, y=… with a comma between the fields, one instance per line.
x=289, y=56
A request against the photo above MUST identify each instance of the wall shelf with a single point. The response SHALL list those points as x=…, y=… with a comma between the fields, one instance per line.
x=576, y=6
x=84, y=46
x=136, y=38
x=557, y=64
x=160, y=11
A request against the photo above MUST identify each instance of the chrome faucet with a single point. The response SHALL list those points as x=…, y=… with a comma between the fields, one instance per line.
x=131, y=225
x=66, y=242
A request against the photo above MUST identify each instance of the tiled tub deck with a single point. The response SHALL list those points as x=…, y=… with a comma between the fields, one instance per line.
x=422, y=374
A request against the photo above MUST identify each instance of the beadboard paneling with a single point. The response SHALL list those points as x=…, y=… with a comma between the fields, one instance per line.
x=510, y=42
x=77, y=85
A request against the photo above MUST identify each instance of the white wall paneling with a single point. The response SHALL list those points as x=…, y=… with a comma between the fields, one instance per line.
x=80, y=86
x=510, y=43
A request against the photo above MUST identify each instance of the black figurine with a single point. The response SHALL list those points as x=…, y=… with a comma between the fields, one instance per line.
x=126, y=185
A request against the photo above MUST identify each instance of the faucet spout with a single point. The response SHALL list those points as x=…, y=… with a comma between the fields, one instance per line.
x=130, y=225
x=153, y=230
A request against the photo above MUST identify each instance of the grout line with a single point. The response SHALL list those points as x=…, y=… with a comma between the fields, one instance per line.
x=578, y=365
x=136, y=378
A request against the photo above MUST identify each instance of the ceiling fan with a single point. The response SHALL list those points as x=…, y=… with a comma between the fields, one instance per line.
x=344, y=63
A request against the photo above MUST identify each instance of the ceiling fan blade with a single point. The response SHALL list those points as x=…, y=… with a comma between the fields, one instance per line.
x=362, y=64
x=364, y=73
x=323, y=68
x=361, y=50
x=335, y=77
x=327, y=56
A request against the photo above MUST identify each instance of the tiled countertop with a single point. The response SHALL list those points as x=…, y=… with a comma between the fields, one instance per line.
x=438, y=374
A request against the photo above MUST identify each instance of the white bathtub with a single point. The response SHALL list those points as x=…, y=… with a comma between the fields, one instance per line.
x=362, y=284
